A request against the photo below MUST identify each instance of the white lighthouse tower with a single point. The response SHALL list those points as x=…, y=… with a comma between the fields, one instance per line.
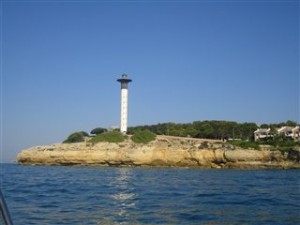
x=124, y=102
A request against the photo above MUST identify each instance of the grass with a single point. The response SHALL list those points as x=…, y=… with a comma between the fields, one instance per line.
x=245, y=144
x=112, y=137
x=143, y=136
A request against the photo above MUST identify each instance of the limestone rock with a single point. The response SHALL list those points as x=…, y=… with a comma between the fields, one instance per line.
x=164, y=151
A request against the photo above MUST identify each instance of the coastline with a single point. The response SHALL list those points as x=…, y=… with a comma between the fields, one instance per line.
x=165, y=151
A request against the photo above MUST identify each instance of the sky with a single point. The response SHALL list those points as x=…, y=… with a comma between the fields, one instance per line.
x=189, y=61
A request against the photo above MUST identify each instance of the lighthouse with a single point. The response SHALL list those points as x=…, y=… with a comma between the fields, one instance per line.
x=124, y=80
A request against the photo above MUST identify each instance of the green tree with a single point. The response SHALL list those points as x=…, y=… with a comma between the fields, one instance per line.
x=247, y=131
x=205, y=130
x=75, y=137
x=190, y=130
x=290, y=123
x=98, y=130
x=208, y=129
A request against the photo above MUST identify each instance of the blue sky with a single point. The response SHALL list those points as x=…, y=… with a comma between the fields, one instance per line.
x=189, y=60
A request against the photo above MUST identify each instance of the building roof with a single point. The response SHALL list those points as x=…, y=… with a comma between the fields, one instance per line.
x=262, y=130
x=285, y=129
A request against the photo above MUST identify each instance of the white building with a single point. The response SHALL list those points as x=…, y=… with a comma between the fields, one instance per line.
x=296, y=132
x=293, y=132
x=261, y=133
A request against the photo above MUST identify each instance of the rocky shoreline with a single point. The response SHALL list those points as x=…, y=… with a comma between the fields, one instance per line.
x=165, y=151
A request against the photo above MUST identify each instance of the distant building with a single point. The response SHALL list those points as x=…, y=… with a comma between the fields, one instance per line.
x=296, y=133
x=293, y=132
x=286, y=131
x=261, y=133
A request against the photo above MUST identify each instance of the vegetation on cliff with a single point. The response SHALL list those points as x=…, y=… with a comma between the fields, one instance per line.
x=279, y=141
x=143, y=136
x=210, y=129
x=238, y=134
x=139, y=136
x=98, y=130
x=278, y=125
x=112, y=137
x=76, y=137
x=202, y=129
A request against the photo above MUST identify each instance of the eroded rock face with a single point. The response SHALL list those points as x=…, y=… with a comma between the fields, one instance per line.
x=247, y=155
x=175, y=152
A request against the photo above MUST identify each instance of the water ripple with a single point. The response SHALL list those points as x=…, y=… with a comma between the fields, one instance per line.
x=129, y=196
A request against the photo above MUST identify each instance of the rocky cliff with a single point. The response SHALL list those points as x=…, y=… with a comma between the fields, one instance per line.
x=164, y=151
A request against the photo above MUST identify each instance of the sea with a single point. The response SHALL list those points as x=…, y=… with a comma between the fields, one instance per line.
x=57, y=195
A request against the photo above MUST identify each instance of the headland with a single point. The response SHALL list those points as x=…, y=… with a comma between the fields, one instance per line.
x=164, y=151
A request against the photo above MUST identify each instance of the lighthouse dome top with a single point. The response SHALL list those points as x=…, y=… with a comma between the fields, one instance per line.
x=124, y=79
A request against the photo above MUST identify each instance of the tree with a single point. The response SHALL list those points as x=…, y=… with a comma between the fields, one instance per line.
x=264, y=126
x=75, y=137
x=206, y=130
x=247, y=130
x=190, y=130
x=98, y=130
x=212, y=129
x=290, y=123
x=85, y=134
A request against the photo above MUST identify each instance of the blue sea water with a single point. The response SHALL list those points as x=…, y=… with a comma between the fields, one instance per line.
x=88, y=195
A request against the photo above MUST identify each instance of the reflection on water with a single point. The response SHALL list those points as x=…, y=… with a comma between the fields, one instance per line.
x=125, y=196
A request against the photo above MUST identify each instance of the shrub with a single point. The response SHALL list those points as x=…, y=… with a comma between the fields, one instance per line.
x=75, y=137
x=98, y=130
x=143, y=136
x=279, y=141
x=113, y=137
x=245, y=144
